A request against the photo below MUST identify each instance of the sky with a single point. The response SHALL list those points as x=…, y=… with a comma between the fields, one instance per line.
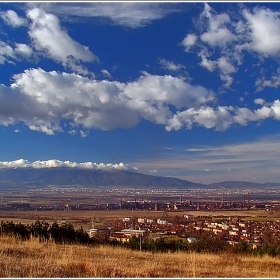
x=181, y=89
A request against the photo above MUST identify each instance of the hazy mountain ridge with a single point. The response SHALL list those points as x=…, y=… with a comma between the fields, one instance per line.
x=85, y=177
x=42, y=177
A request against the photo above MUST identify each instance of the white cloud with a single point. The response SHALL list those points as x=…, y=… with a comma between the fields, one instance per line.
x=217, y=33
x=51, y=40
x=273, y=82
x=219, y=37
x=84, y=133
x=259, y=101
x=23, y=50
x=194, y=150
x=264, y=31
x=225, y=66
x=256, y=32
x=276, y=109
x=169, y=65
x=130, y=14
x=6, y=52
x=207, y=63
x=222, y=117
x=72, y=132
x=53, y=163
x=11, y=18
x=10, y=55
x=106, y=73
x=189, y=41
x=42, y=100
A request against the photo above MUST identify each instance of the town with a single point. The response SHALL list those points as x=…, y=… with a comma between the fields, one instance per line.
x=230, y=229
x=175, y=215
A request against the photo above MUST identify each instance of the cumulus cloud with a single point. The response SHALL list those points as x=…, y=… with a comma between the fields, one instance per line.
x=264, y=30
x=222, y=117
x=43, y=100
x=53, y=163
x=189, y=41
x=129, y=14
x=11, y=55
x=217, y=33
x=51, y=40
x=11, y=18
x=23, y=50
x=6, y=52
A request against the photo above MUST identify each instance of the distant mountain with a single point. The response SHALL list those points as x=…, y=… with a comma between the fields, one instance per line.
x=63, y=176
x=42, y=177
x=243, y=184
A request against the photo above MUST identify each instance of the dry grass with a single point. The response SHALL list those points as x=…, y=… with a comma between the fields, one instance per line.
x=32, y=259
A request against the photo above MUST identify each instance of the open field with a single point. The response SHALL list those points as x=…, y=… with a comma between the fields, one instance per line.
x=35, y=260
x=25, y=216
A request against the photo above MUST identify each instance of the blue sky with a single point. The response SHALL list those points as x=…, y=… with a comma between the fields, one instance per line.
x=188, y=90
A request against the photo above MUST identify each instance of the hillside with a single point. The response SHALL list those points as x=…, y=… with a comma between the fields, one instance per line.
x=49, y=260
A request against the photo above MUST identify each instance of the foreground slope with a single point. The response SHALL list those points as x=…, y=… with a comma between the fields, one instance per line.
x=31, y=259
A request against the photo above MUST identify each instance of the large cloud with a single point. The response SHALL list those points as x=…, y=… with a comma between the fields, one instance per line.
x=42, y=100
x=21, y=163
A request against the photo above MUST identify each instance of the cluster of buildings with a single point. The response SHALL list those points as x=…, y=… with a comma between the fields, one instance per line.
x=232, y=230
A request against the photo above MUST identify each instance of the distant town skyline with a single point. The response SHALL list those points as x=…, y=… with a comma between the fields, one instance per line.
x=186, y=90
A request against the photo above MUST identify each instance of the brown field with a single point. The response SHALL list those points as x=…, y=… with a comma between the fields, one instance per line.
x=86, y=216
x=32, y=259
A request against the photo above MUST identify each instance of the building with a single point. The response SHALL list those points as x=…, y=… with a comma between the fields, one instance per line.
x=120, y=236
x=135, y=232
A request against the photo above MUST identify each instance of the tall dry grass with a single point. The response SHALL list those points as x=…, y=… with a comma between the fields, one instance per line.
x=32, y=259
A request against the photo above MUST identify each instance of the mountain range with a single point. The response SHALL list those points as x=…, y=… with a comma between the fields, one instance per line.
x=58, y=176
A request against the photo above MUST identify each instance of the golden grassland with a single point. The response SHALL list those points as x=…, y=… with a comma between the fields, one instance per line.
x=32, y=259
